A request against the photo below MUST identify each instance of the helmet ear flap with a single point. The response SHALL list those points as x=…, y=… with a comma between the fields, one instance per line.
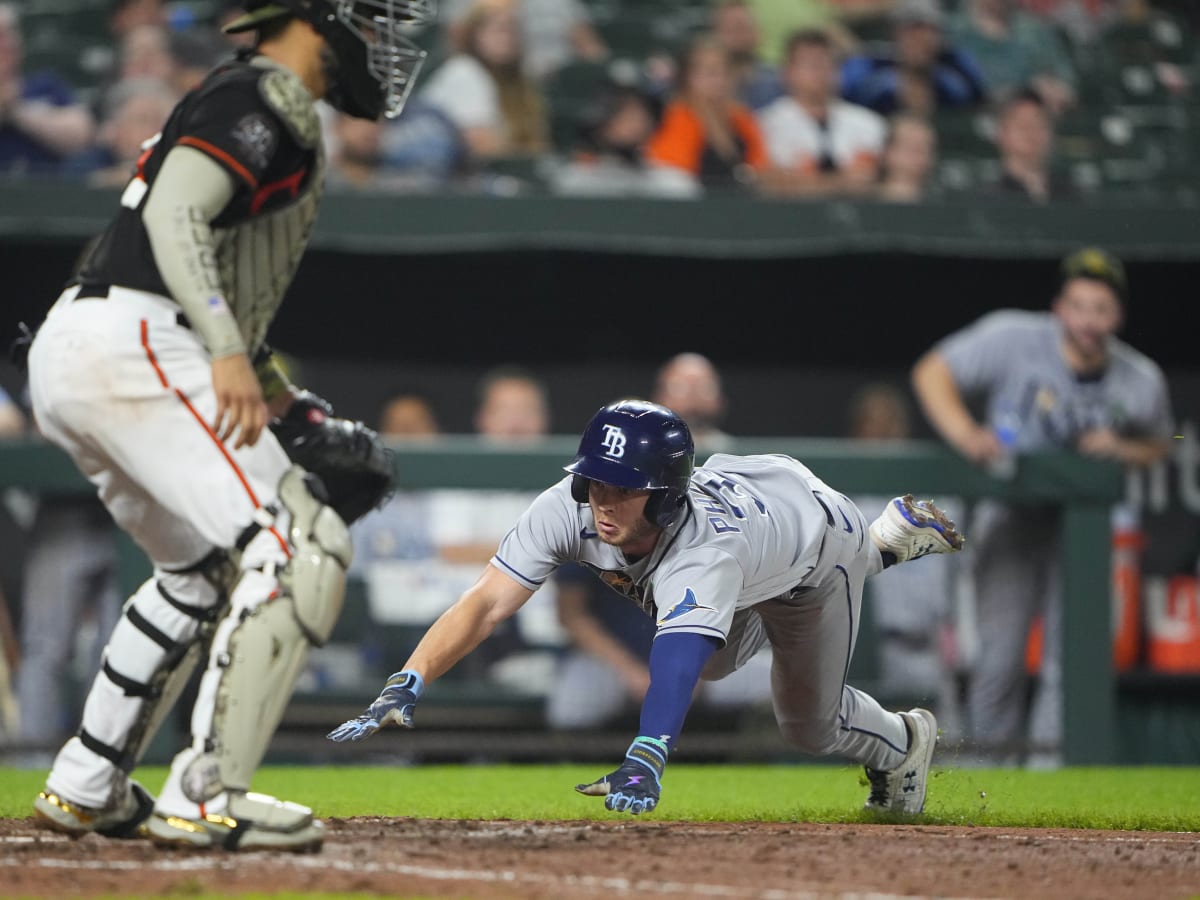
x=662, y=507
x=579, y=489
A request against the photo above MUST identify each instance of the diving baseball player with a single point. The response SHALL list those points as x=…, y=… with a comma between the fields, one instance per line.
x=144, y=371
x=741, y=552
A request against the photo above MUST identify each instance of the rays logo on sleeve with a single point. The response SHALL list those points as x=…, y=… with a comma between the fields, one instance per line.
x=683, y=607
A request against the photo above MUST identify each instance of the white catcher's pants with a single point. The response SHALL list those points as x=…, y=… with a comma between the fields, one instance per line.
x=127, y=392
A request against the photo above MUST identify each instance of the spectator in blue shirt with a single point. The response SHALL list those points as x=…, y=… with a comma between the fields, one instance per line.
x=41, y=122
x=920, y=72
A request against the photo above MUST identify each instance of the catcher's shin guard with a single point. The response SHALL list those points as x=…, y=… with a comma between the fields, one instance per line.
x=152, y=653
x=260, y=650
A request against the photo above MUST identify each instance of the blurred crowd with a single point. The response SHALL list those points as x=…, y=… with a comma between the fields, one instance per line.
x=897, y=100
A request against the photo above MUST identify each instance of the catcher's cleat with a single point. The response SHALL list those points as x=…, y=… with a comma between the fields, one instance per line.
x=902, y=790
x=249, y=821
x=910, y=529
x=123, y=820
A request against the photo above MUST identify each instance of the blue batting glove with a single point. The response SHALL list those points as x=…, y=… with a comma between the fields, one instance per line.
x=636, y=785
x=394, y=705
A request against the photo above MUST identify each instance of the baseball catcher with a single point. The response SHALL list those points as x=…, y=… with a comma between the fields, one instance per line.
x=237, y=486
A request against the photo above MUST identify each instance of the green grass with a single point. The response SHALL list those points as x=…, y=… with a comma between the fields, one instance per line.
x=1147, y=799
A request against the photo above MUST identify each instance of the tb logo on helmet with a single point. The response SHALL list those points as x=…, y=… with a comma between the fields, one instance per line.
x=614, y=441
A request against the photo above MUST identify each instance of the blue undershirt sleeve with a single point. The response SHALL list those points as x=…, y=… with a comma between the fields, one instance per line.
x=676, y=661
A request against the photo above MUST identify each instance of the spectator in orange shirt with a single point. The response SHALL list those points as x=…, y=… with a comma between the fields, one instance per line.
x=705, y=131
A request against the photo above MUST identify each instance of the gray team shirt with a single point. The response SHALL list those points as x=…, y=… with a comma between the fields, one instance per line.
x=1035, y=401
x=752, y=531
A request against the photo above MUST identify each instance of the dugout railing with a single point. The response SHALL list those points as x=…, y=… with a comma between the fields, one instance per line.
x=1084, y=489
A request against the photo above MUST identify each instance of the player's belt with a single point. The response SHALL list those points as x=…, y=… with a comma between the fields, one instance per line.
x=92, y=292
x=100, y=292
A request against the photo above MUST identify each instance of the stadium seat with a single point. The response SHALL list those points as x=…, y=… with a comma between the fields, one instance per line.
x=641, y=32
x=1133, y=49
x=964, y=133
x=80, y=59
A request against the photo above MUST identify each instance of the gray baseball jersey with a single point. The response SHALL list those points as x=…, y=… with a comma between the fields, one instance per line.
x=1015, y=357
x=753, y=531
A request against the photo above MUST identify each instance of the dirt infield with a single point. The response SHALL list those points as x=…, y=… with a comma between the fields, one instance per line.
x=563, y=860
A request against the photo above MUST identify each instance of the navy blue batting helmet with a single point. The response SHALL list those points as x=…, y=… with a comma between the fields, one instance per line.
x=638, y=445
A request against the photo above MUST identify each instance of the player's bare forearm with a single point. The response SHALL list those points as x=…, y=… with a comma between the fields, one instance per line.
x=1106, y=444
x=943, y=405
x=465, y=625
x=1143, y=451
x=457, y=632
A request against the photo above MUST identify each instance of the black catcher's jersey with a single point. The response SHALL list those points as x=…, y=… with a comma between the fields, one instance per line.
x=258, y=121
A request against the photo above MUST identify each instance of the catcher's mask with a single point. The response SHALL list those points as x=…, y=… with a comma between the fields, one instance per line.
x=371, y=65
x=638, y=445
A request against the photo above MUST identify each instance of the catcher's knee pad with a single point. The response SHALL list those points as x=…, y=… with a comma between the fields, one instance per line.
x=162, y=635
x=260, y=651
x=315, y=576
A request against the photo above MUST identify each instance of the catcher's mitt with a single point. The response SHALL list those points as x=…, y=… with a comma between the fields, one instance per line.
x=348, y=457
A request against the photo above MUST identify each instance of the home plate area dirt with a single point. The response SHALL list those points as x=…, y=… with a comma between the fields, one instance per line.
x=644, y=858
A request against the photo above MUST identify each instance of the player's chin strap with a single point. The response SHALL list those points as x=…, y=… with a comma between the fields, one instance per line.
x=259, y=651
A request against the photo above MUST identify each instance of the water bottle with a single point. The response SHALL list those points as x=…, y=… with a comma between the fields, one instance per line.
x=1005, y=465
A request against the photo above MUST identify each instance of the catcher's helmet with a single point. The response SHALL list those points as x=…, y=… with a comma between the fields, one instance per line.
x=638, y=445
x=374, y=65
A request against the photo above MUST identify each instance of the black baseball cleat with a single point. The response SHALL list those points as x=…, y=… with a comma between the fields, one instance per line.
x=122, y=820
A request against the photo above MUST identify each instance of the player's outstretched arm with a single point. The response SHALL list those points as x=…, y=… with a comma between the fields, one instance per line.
x=943, y=405
x=459, y=630
x=676, y=660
